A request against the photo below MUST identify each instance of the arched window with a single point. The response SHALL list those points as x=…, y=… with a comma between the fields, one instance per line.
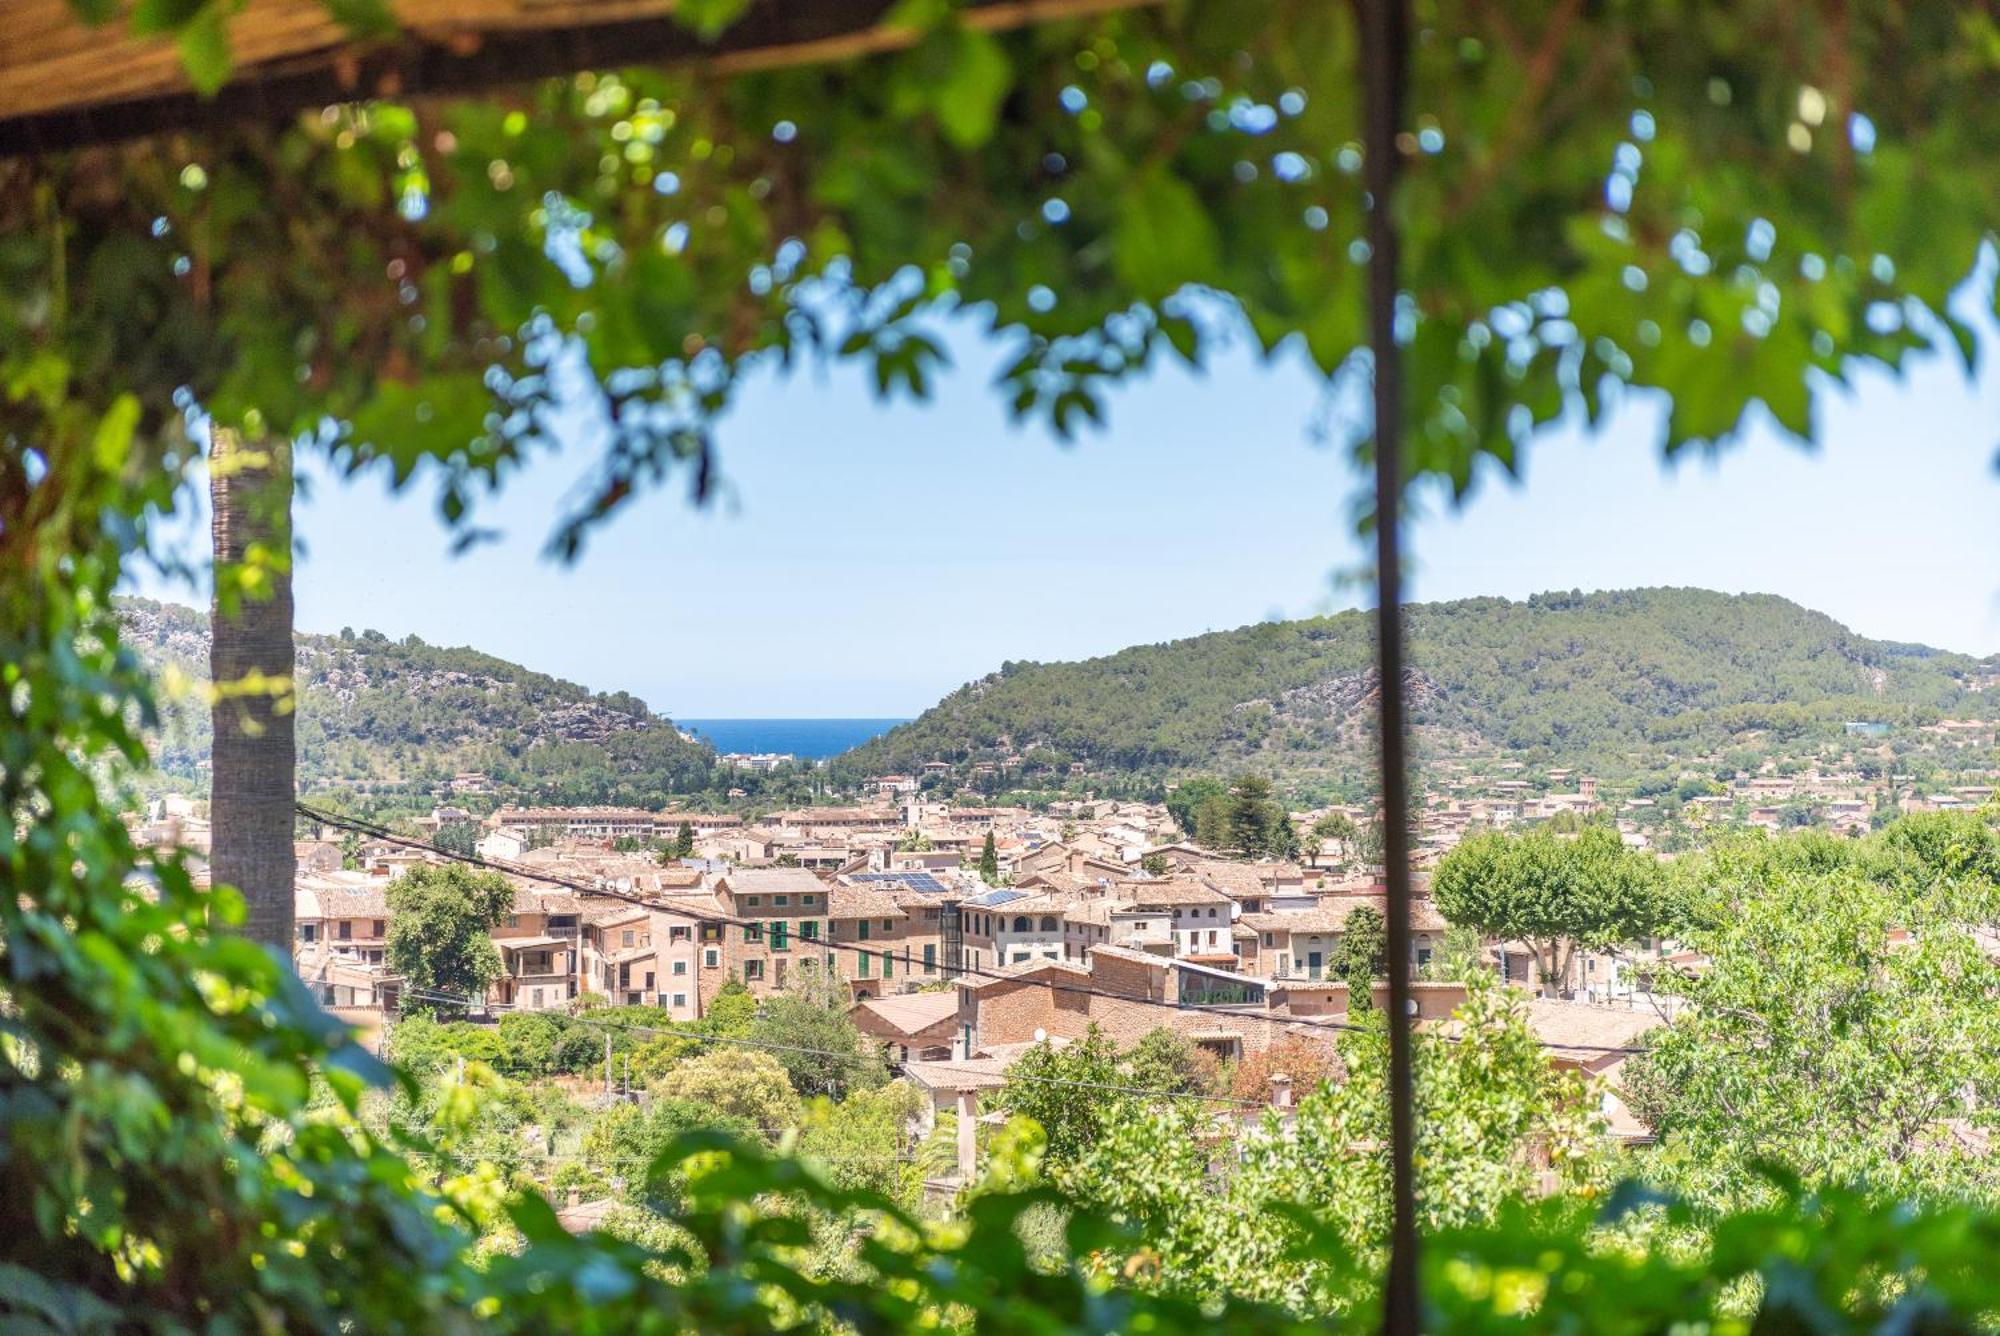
x=1048, y=923
x=1020, y=923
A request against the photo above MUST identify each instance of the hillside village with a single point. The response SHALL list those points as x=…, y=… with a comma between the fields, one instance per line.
x=962, y=935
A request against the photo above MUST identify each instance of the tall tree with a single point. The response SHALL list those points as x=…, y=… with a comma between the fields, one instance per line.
x=439, y=921
x=989, y=861
x=253, y=757
x=1251, y=828
x=458, y=837
x=1551, y=893
x=1362, y=956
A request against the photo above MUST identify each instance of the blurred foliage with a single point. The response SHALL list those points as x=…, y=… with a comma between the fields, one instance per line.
x=1736, y=207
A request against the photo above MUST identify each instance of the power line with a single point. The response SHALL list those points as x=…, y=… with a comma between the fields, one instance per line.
x=376, y=831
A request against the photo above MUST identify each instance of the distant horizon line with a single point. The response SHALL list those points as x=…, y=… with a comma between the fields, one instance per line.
x=788, y=718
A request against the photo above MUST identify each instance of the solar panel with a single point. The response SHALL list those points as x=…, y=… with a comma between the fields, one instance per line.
x=922, y=882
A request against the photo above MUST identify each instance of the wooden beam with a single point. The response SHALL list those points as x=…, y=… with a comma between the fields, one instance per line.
x=64, y=85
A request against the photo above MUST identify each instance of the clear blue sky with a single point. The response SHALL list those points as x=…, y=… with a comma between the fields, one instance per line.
x=870, y=559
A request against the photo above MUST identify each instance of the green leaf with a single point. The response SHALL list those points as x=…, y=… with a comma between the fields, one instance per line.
x=114, y=432
x=204, y=44
x=917, y=15
x=363, y=18
x=710, y=17
x=163, y=16
x=1165, y=237
x=968, y=100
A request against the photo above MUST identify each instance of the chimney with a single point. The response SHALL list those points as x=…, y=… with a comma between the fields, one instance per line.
x=1281, y=1092
x=968, y=1135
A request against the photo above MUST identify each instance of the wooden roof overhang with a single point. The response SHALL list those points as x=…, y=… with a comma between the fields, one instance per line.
x=66, y=84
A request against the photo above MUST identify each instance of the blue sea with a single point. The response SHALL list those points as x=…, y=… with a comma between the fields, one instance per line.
x=814, y=738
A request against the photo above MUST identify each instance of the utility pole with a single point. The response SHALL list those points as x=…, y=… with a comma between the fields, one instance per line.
x=607, y=1066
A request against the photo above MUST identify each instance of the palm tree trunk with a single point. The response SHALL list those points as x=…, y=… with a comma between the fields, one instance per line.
x=253, y=757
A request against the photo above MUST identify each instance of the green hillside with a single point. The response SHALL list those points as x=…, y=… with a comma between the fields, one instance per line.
x=1616, y=680
x=400, y=717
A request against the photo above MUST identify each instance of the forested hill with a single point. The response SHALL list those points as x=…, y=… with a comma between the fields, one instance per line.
x=400, y=716
x=1604, y=678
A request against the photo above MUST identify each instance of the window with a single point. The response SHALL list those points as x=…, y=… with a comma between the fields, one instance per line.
x=864, y=931
x=930, y=957
x=753, y=932
x=710, y=958
x=1048, y=923
x=680, y=967
x=860, y=964
x=309, y=932
x=378, y=928
x=753, y=900
x=888, y=964
x=677, y=934
x=781, y=899
x=711, y=932
x=778, y=942
x=809, y=930
x=1020, y=923
x=1424, y=956
x=562, y=922
x=808, y=899
x=346, y=933
x=534, y=997
x=1269, y=940
x=680, y=999
x=649, y=981
x=753, y=969
x=1021, y=957
x=628, y=938
x=513, y=920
